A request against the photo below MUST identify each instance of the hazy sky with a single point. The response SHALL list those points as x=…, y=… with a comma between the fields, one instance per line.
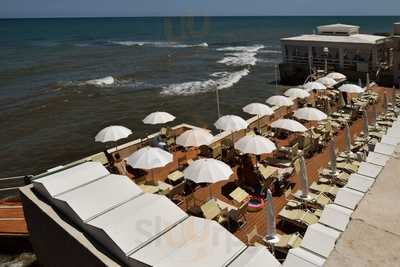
x=99, y=8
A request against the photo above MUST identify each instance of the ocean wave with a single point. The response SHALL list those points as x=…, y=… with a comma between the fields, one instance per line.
x=225, y=80
x=239, y=59
x=249, y=49
x=157, y=44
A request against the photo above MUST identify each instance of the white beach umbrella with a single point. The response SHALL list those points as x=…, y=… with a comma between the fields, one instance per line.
x=303, y=178
x=310, y=114
x=351, y=88
x=148, y=158
x=112, y=134
x=336, y=76
x=195, y=138
x=328, y=82
x=297, y=93
x=347, y=138
x=289, y=125
x=255, y=145
x=271, y=236
x=279, y=101
x=207, y=170
x=333, y=156
x=258, y=109
x=314, y=86
x=231, y=123
x=158, y=117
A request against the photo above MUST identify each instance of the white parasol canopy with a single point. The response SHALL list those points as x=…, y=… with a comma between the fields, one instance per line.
x=310, y=114
x=231, y=123
x=207, y=170
x=328, y=82
x=255, y=145
x=112, y=133
x=351, y=88
x=258, y=109
x=195, y=138
x=297, y=93
x=149, y=158
x=314, y=86
x=336, y=76
x=158, y=117
x=279, y=101
x=290, y=125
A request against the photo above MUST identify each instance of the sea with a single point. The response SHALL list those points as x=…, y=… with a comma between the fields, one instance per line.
x=51, y=109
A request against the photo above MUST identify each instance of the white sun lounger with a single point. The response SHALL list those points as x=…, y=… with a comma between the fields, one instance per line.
x=390, y=140
x=320, y=239
x=384, y=149
x=359, y=183
x=348, y=198
x=378, y=159
x=336, y=216
x=369, y=169
x=299, y=257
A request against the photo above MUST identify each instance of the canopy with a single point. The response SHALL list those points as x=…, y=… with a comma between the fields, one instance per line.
x=310, y=114
x=390, y=140
x=384, y=149
x=255, y=144
x=194, y=242
x=336, y=76
x=348, y=198
x=289, y=125
x=112, y=133
x=369, y=169
x=299, y=257
x=158, y=117
x=279, y=101
x=258, y=109
x=194, y=138
x=378, y=159
x=67, y=179
x=335, y=216
x=320, y=239
x=255, y=257
x=207, y=170
x=314, y=86
x=359, y=183
x=148, y=158
x=231, y=123
x=351, y=88
x=297, y=93
x=328, y=82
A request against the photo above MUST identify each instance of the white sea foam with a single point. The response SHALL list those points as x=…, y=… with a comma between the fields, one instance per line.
x=158, y=44
x=106, y=81
x=225, y=80
x=249, y=49
x=240, y=55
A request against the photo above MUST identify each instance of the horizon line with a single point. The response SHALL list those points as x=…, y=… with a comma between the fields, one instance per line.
x=187, y=16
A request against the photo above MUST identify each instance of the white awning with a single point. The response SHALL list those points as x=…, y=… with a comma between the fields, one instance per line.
x=348, y=198
x=90, y=200
x=394, y=132
x=298, y=257
x=369, y=169
x=336, y=216
x=359, y=182
x=377, y=158
x=384, y=149
x=129, y=226
x=195, y=242
x=65, y=180
x=255, y=257
x=320, y=239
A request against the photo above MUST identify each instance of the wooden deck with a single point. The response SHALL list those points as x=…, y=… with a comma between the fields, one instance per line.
x=12, y=219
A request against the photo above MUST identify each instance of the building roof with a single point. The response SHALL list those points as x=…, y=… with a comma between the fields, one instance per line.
x=195, y=242
x=352, y=39
x=339, y=28
x=255, y=257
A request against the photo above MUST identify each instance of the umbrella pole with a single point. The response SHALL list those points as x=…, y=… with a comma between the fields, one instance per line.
x=210, y=193
x=259, y=129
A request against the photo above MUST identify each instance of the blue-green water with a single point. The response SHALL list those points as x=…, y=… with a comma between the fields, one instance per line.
x=49, y=115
